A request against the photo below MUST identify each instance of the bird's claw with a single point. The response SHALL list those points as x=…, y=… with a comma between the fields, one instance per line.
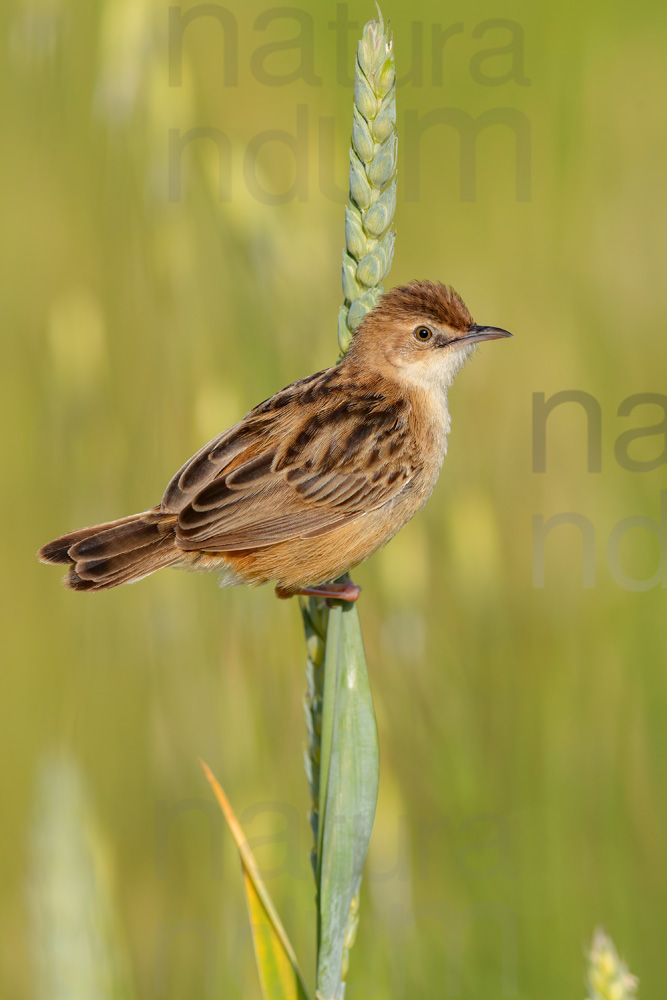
x=332, y=593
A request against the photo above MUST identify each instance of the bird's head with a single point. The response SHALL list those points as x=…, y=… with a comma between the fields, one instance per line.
x=423, y=332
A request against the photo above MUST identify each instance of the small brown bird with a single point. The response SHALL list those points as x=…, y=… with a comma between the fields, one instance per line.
x=312, y=481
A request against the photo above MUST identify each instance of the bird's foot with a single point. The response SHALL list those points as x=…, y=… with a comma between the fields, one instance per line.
x=331, y=592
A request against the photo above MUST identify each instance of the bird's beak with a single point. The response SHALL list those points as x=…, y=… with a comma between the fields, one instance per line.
x=476, y=334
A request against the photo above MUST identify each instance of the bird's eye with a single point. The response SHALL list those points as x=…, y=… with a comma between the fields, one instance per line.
x=423, y=334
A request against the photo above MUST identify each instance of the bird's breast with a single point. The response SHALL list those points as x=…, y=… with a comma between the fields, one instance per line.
x=430, y=427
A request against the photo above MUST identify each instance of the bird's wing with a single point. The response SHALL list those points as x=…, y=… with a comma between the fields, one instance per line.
x=317, y=455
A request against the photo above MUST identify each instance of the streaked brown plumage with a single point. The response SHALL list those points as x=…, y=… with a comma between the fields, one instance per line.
x=312, y=481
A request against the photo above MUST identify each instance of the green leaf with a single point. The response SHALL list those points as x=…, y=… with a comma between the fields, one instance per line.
x=348, y=793
x=278, y=968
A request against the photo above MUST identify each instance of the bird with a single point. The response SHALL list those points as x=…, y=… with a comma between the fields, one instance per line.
x=312, y=481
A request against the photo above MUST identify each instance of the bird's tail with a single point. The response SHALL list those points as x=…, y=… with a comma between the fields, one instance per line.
x=123, y=551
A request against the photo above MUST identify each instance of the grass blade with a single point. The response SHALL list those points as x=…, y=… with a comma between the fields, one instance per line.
x=349, y=787
x=278, y=968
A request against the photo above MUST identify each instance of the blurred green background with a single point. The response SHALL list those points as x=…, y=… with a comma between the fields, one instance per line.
x=523, y=790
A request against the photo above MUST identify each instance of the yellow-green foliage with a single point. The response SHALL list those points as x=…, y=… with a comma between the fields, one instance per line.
x=523, y=740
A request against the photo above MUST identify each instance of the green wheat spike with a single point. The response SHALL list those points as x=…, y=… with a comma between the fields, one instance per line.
x=369, y=241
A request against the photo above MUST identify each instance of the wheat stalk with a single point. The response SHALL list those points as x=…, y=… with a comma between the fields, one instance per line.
x=369, y=249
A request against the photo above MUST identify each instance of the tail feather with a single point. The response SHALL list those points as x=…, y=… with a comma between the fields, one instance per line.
x=57, y=552
x=124, y=538
x=122, y=551
x=147, y=560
